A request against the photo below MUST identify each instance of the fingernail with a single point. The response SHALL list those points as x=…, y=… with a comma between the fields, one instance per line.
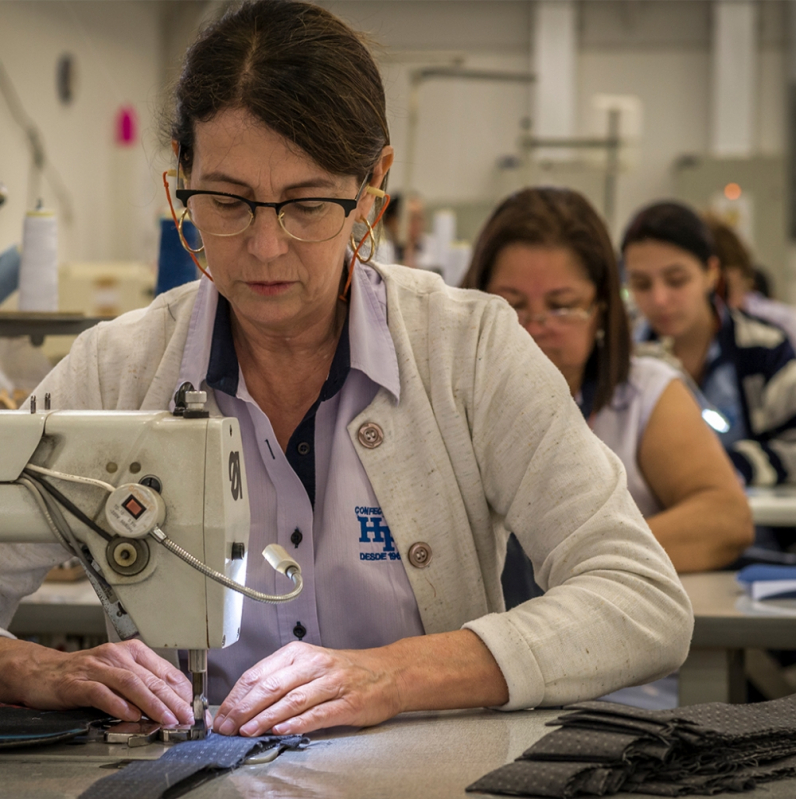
x=227, y=728
x=248, y=729
x=218, y=721
x=169, y=719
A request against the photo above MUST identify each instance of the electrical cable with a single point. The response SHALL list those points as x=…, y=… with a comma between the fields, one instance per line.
x=72, y=478
x=58, y=524
x=70, y=506
x=64, y=534
x=293, y=573
x=124, y=625
x=57, y=521
x=45, y=511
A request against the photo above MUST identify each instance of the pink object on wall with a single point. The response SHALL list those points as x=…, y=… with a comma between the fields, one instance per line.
x=126, y=126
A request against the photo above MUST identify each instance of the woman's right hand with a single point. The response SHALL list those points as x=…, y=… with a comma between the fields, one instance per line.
x=124, y=679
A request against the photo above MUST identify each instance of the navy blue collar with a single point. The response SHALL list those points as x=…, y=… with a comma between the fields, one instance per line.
x=223, y=369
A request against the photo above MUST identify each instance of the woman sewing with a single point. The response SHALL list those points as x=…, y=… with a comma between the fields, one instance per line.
x=381, y=411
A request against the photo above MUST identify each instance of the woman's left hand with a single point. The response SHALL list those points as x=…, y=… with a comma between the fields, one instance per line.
x=303, y=687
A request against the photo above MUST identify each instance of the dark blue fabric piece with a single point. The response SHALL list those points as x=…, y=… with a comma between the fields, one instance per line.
x=185, y=766
x=23, y=726
x=602, y=748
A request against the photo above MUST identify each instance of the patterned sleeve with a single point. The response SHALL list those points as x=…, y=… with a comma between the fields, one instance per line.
x=767, y=370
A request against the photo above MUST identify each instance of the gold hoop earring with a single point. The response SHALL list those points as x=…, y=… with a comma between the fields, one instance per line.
x=356, y=248
x=183, y=240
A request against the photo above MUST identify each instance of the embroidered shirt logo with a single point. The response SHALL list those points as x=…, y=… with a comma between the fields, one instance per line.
x=373, y=530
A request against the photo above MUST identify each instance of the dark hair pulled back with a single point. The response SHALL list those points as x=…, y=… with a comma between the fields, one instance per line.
x=729, y=249
x=554, y=217
x=296, y=68
x=671, y=223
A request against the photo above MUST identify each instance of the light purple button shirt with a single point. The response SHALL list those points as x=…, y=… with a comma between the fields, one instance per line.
x=356, y=592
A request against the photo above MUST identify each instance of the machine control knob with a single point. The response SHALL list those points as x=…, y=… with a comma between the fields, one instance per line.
x=195, y=405
x=238, y=551
x=133, y=510
x=195, y=400
x=127, y=556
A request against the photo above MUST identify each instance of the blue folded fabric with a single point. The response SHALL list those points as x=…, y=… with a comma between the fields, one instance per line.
x=762, y=571
x=764, y=581
x=175, y=265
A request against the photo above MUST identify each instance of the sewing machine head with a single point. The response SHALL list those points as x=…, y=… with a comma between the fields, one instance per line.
x=185, y=474
x=156, y=507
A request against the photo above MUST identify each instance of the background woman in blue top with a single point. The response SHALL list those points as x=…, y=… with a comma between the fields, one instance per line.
x=744, y=366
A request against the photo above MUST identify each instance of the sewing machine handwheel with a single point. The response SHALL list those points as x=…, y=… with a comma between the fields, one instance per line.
x=127, y=556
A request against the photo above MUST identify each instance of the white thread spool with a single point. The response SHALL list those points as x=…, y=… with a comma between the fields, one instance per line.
x=38, y=271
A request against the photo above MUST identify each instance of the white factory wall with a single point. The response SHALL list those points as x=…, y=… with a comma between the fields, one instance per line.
x=118, y=50
x=464, y=127
x=675, y=89
x=658, y=50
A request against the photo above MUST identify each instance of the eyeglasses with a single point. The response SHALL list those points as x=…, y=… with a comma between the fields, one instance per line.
x=311, y=219
x=558, y=317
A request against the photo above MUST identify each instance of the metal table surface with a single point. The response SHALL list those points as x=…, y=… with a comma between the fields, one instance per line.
x=429, y=755
x=60, y=608
x=727, y=623
x=39, y=325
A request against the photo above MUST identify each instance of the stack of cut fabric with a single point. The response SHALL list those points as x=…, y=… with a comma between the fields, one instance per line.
x=602, y=748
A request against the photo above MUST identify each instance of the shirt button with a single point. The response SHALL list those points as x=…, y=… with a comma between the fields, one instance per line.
x=296, y=537
x=303, y=448
x=299, y=630
x=370, y=435
x=420, y=555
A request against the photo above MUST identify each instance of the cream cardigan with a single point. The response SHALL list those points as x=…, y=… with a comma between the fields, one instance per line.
x=484, y=440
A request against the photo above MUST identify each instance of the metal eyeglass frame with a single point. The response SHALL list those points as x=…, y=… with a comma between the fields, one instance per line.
x=183, y=195
x=561, y=314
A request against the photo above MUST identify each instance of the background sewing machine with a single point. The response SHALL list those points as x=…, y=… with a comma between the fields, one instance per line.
x=156, y=507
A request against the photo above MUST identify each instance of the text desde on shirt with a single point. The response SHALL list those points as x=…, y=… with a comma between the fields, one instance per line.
x=373, y=530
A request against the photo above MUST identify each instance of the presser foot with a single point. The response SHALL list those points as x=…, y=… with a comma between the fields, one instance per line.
x=132, y=733
x=197, y=731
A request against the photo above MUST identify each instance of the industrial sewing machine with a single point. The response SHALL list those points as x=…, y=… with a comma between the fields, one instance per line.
x=155, y=505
